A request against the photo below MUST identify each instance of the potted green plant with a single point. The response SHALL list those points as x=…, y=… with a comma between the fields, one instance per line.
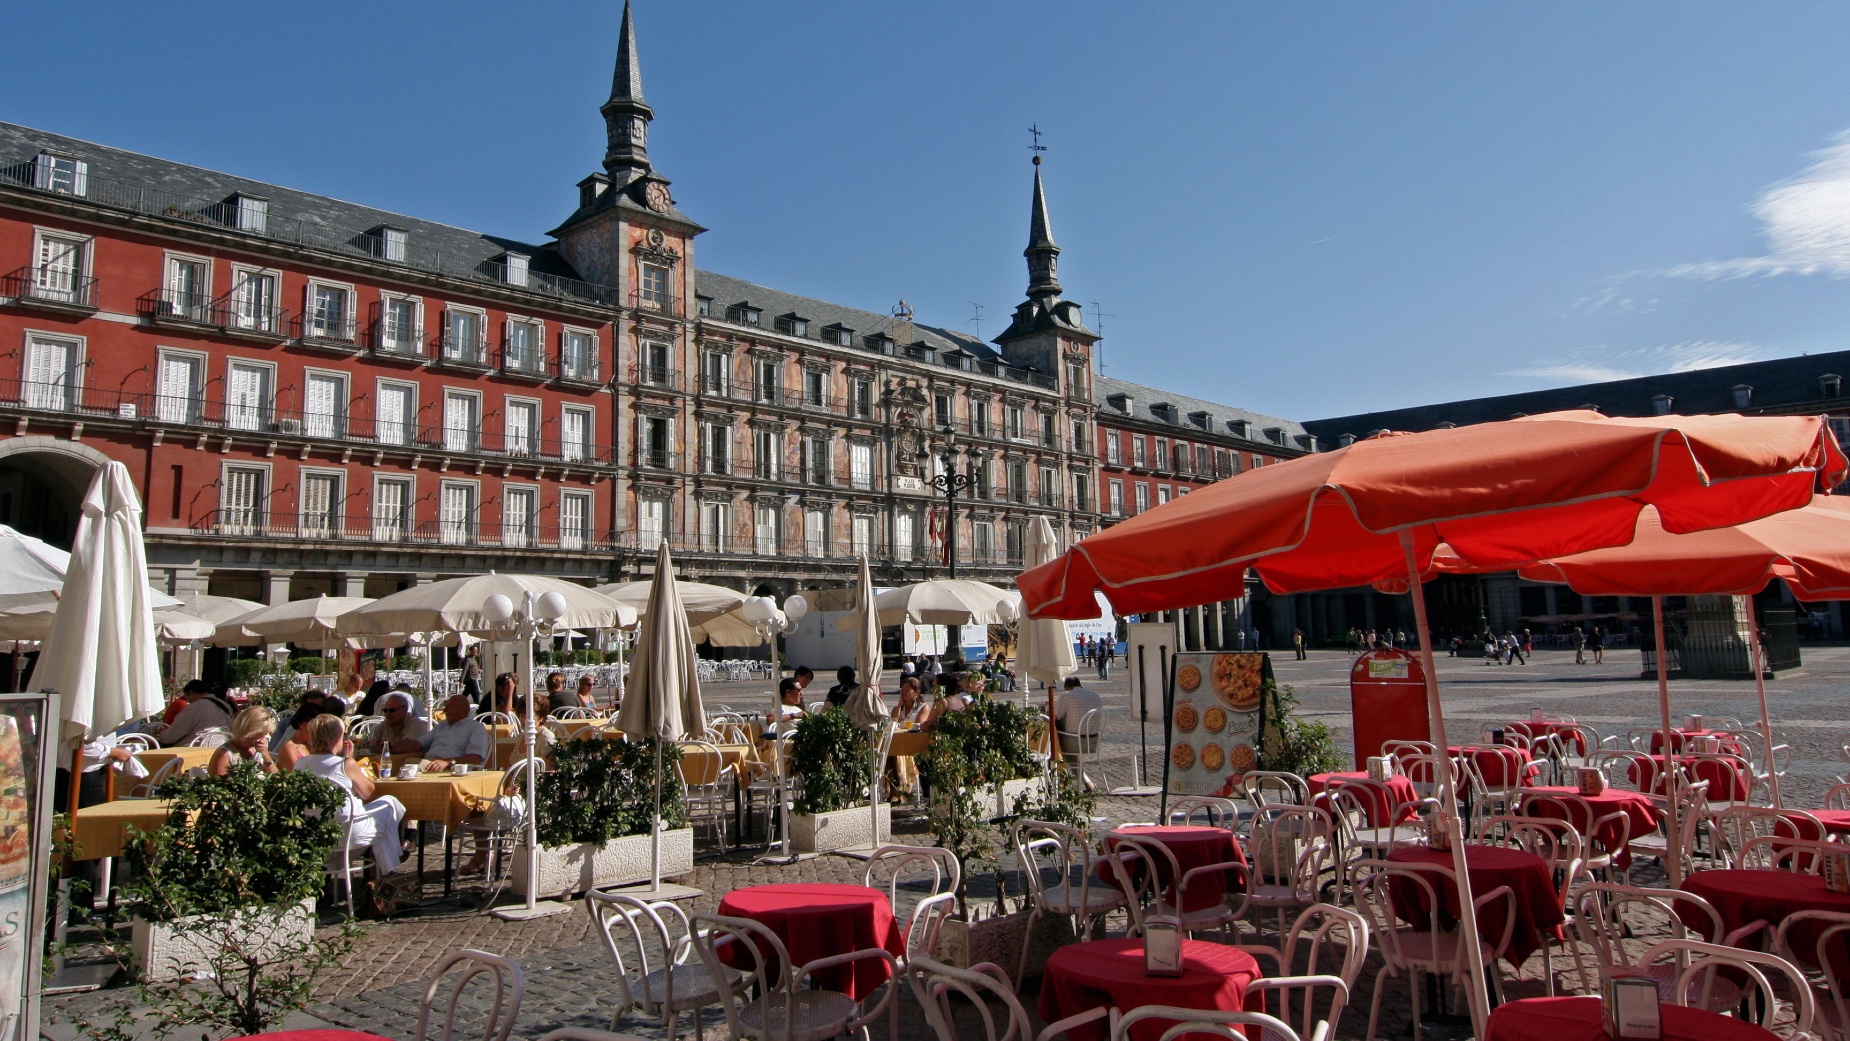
x=833, y=758
x=978, y=757
x=226, y=888
x=596, y=811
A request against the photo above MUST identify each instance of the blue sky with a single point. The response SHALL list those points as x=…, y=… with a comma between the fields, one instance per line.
x=1307, y=209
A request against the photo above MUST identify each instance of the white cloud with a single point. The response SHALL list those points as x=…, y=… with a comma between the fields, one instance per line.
x=1602, y=363
x=1806, y=221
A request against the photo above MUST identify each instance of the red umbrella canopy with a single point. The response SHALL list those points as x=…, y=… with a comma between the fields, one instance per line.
x=1808, y=547
x=1501, y=494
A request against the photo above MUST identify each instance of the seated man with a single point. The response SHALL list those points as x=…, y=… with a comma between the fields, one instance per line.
x=459, y=738
x=1069, y=714
x=204, y=710
x=402, y=733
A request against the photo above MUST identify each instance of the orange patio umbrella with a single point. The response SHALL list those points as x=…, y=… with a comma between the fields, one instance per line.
x=1500, y=494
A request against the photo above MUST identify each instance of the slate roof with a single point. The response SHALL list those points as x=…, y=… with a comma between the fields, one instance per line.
x=1781, y=385
x=164, y=187
x=1144, y=400
x=726, y=291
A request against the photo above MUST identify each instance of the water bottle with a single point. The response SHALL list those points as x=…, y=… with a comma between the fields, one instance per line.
x=385, y=758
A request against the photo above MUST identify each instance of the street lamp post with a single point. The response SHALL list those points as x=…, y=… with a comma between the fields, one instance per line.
x=951, y=482
x=535, y=617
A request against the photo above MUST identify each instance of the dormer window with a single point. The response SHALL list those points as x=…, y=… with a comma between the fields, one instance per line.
x=249, y=213
x=792, y=324
x=744, y=314
x=1164, y=411
x=1239, y=427
x=1201, y=419
x=838, y=334
x=64, y=174
x=1830, y=386
x=1275, y=435
x=879, y=342
x=392, y=242
x=514, y=270
x=1743, y=396
x=1345, y=440
x=1308, y=442
x=1660, y=405
x=704, y=305
x=591, y=189
x=1121, y=402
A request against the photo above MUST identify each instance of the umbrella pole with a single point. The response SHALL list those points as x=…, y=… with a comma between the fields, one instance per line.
x=533, y=815
x=1448, y=804
x=655, y=843
x=1673, y=853
x=1766, y=725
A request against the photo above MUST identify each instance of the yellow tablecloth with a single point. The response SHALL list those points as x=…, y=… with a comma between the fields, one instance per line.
x=567, y=729
x=102, y=830
x=698, y=766
x=189, y=758
x=442, y=797
x=909, y=743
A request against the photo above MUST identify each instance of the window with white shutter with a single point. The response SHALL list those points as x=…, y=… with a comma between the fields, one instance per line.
x=651, y=523
x=519, y=508
x=902, y=536
x=575, y=434
x=247, y=396
x=394, y=411
x=324, y=405
x=768, y=451
x=715, y=517
x=391, y=509
x=189, y=296
x=522, y=427
x=456, y=523
x=577, y=355
x=321, y=501
x=574, y=520
x=329, y=311
x=816, y=533
x=50, y=368
x=178, y=400
x=241, y=500
x=400, y=330
x=862, y=535
x=253, y=302
x=59, y=273
x=861, y=466
x=459, y=422
x=764, y=531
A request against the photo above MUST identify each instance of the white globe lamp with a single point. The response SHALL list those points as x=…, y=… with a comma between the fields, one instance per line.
x=499, y=609
x=551, y=605
x=795, y=607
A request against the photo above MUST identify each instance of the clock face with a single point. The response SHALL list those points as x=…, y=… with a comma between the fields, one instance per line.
x=657, y=195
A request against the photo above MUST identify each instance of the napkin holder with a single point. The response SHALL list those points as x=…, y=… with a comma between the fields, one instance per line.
x=1836, y=871
x=1162, y=946
x=1437, y=835
x=1631, y=1009
x=1692, y=723
x=1705, y=743
x=1590, y=779
x=1380, y=767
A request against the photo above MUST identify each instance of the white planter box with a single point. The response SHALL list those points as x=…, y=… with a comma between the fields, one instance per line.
x=573, y=869
x=963, y=944
x=169, y=950
x=839, y=829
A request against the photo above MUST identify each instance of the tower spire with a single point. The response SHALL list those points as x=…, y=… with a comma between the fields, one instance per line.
x=1043, y=256
x=626, y=114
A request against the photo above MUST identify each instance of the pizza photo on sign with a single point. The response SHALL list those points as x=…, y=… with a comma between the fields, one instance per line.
x=1213, y=757
x=1188, y=677
x=1215, y=719
x=1241, y=758
x=1237, y=680
x=1183, y=755
x=1187, y=719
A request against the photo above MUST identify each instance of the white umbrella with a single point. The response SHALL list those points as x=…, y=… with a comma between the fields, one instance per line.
x=663, y=701
x=702, y=602
x=866, y=708
x=101, y=655
x=457, y=605
x=1044, y=646
x=170, y=626
x=31, y=570
x=296, y=621
x=946, y=601
x=215, y=609
x=732, y=629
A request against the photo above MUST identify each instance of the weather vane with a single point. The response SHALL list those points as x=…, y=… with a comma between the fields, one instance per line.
x=1035, y=129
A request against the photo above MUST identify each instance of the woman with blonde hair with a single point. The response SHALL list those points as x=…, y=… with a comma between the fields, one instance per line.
x=249, y=742
x=370, y=822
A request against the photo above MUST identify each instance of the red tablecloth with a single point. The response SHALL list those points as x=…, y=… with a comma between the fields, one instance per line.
x=1582, y=1019
x=1574, y=739
x=1833, y=820
x=1109, y=973
x=1400, y=791
x=817, y=920
x=1538, y=904
x=1727, y=783
x=1494, y=766
x=1641, y=814
x=1743, y=895
x=1680, y=740
x=1194, y=846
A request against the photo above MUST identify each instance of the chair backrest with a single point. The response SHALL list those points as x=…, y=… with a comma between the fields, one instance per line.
x=144, y=788
x=1426, y=771
x=1628, y=769
x=934, y=984
x=138, y=742
x=1838, y=798
x=1702, y=964
x=364, y=728
x=1732, y=828
x=509, y=986
x=1271, y=787
x=1608, y=916
x=1493, y=767
x=766, y=969
x=1319, y=999
x=1187, y=1021
x=1139, y=866
x=892, y=864
x=1556, y=842
x=1387, y=891
x=1326, y=937
x=1214, y=812
x=701, y=765
x=1289, y=845
x=1401, y=747
x=1778, y=853
x=210, y=737
x=571, y=712
x=1051, y=852
x=927, y=922
x=629, y=924
x=1829, y=953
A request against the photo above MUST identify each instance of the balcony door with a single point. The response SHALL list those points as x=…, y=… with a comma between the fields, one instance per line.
x=181, y=375
x=51, y=365
x=59, y=272
x=247, y=396
x=393, y=420
x=324, y=405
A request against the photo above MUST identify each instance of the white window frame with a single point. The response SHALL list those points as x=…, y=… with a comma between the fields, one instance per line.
x=80, y=272
x=259, y=521
x=715, y=447
x=243, y=318
x=471, y=524
x=187, y=410
x=648, y=535
x=402, y=527
x=45, y=175
x=73, y=380
x=1116, y=504
x=905, y=535
x=527, y=443
x=538, y=363
x=1015, y=422
x=715, y=372
x=582, y=538
x=861, y=398
x=816, y=544
x=860, y=477
x=415, y=342
x=524, y=535
x=333, y=526
x=767, y=529
x=585, y=449
x=646, y=297
x=767, y=454
x=1114, y=448
x=343, y=401
x=472, y=433
x=589, y=368
x=266, y=408
x=1142, y=497
x=715, y=525
x=481, y=317
x=199, y=308
x=856, y=544
x=642, y=441
x=410, y=420
x=309, y=316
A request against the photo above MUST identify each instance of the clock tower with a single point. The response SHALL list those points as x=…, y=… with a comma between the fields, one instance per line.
x=1048, y=333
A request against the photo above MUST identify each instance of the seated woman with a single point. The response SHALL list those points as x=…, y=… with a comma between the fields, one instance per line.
x=371, y=823
x=291, y=743
x=964, y=689
x=249, y=743
x=912, y=707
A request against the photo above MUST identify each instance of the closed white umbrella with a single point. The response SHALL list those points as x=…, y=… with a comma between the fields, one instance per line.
x=946, y=601
x=457, y=605
x=1044, y=646
x=663, y=697
x=101, y=655
x=866, y=707
x=701, y=601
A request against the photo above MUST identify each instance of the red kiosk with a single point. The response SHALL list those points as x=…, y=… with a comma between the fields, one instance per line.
x=1387, y=701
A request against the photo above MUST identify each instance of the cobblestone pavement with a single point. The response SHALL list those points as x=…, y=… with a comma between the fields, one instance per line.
x=568, y=973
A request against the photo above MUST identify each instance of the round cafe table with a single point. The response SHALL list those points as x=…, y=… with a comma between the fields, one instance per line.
x=1109, y=974
x=1743, y=895
x=1380, y=814
x=1194, y=846
x=820, y=920
x=1582, y=1019
x=1538, y=903
x=1836, y=822
x=1641, y=814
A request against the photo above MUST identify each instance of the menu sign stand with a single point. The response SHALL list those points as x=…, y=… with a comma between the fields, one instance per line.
x=28, y=761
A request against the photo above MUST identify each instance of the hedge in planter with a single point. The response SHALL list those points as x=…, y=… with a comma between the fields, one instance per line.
x=833, y=757
x=600, y=790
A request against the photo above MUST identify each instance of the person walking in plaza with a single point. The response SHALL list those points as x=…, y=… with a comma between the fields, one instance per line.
x=1297, y=643
x=1596, y=642
x=1580, y=646
x=1513, y=647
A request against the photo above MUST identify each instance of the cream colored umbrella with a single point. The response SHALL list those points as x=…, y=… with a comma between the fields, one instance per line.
x=663, y=697
x=1044, y=646
x=866, y=707
x=458, y=605
x=733, y=629
x=702, y=601
x=312, y=621
x=946, y=601
x=215, y=609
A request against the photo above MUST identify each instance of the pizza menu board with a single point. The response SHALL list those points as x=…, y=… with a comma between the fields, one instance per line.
x=1217, y=720
x=24, y=857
